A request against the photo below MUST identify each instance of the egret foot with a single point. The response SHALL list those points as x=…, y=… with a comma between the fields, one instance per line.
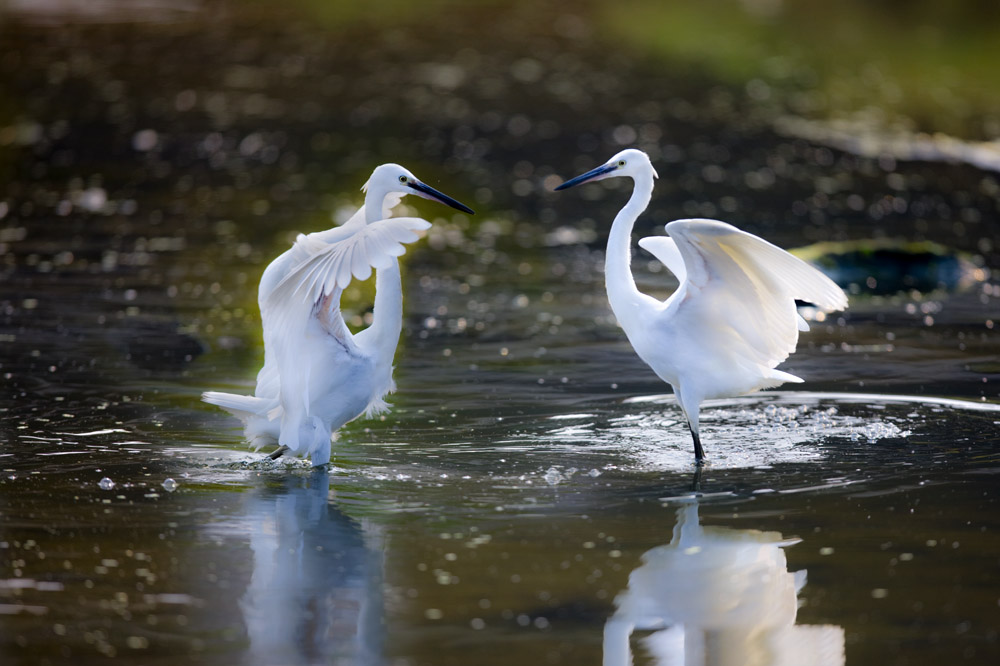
x=274, y=455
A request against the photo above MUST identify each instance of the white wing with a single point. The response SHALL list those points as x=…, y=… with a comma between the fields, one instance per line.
x=740, y=290
x=279, y=269
x=665, y=249
x=327, y=266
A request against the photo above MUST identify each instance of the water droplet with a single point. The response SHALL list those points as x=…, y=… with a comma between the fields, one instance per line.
x=552, y=476
x=106, y=483
x=169, y=485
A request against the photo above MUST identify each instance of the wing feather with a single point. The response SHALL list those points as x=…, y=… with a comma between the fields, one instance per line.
x=360, y=266
x=741, y=290
x=802, y=280
x=324, y=267
x=665, y=250
x=319, y=277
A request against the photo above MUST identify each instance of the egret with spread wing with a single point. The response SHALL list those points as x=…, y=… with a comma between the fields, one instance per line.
x=733, y=318
x=317, y=375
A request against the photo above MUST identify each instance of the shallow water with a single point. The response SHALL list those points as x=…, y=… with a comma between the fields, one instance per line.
x=531, y=497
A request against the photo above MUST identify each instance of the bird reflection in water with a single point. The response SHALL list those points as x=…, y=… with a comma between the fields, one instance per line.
x=718, y=596
x=315, y=594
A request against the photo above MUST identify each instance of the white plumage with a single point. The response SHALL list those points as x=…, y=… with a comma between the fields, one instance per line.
x=733, y=318
x=317, y=375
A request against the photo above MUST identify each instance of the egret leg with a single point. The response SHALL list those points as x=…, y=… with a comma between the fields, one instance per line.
x=274, y=455
x=699, y=453
x=694, y=403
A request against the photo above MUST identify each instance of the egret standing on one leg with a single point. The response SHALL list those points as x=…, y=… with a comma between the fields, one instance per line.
x=733, y=317
x=317, y=376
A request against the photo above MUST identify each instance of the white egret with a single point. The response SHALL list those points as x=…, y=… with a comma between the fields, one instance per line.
x=733, y=317
x=317, y=375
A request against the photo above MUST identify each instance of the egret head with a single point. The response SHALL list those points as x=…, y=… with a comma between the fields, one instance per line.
x=389, y=178
x=629, y=162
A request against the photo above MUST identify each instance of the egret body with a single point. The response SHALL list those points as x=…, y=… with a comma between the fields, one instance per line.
x=733, y=318
x=317, y=375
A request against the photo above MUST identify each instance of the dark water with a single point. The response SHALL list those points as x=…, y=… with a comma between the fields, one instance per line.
x=531, y=497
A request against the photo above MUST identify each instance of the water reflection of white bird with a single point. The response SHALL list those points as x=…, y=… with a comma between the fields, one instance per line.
x=315, y=595
x=718, y=596
x=733, y=318
x=317, y=375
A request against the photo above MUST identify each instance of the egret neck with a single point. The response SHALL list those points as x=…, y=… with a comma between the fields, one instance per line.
x=387, y=314
x=623, y=295
x=375, y=203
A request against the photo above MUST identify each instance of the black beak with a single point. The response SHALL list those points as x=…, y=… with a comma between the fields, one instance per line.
x=428, y=192
x=590, y=175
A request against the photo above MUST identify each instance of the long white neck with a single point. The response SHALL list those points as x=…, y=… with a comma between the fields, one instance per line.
x=623, y=295
x=387, y=315
x=374, y=202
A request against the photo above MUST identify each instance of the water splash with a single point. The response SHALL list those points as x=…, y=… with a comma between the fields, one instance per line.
x=753, y=431
x=876, y=431
x=554, y=476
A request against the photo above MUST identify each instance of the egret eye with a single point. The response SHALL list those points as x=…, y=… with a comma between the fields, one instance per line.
x=402, y=179
x=621, y=163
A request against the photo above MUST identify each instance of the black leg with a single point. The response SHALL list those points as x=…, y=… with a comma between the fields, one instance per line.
x=699, y=453
x=277, y=452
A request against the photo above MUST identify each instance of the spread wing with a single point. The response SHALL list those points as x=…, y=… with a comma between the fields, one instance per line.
x=289, y=260
x=317, y=269
x=325, y=266
x=740, y=290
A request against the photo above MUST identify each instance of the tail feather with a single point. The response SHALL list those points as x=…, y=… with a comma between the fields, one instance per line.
x=241, y=406
x=773, y=378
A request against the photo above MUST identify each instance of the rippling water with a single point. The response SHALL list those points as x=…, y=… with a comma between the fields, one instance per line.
x=531, y=497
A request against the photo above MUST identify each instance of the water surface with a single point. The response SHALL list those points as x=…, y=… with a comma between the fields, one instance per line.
x=531, y=497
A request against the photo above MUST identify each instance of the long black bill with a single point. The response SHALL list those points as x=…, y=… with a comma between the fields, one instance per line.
x=590, y=175
x=429, y=192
